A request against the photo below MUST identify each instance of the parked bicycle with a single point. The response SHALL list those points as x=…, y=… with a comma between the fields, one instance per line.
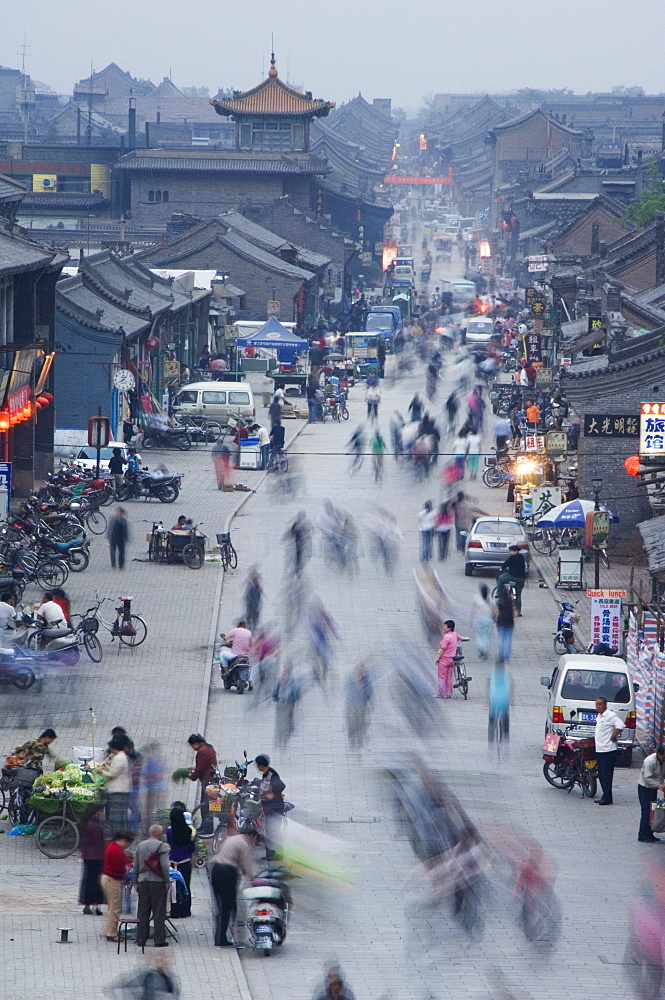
x=128, y=627
x=278, y=461
x=227, y=553
x=461, y=678
x=58, y=836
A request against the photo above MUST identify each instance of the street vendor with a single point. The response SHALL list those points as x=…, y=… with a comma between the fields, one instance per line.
x=32, y=752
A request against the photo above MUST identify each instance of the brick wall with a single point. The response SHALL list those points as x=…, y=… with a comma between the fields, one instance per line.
x=257, y=282
x=534, y=140
x=301, y=229
x=205, y=195
x=617, y=392
x=579, y=240
x=641, y=274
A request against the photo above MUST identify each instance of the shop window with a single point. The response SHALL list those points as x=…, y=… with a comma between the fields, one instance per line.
x=165, y=196
x=158, y=195
x=151, y=195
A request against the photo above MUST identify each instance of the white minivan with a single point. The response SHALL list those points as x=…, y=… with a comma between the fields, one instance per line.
x=479, y=330
x=217, y=400
x=577, y=680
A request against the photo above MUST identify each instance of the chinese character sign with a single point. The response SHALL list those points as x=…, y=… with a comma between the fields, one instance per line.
x=544, y=499
x=652, y=429
x=606, y=621
x=532, y=348
x=534, y=442
x=611, y=425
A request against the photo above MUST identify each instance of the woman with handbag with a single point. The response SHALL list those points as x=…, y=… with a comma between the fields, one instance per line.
x=181, y=840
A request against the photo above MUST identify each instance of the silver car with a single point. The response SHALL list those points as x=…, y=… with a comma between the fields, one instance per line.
x=488, y=542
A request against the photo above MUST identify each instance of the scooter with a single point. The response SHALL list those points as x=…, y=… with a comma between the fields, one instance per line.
x=570, y=762
x=564, y=637
x=63, y=646
x=237, y=672
x=268, y=901
x=143, y=485
x=171, y=437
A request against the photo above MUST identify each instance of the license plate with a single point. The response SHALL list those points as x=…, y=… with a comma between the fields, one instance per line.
x=263, y=929
x=590, y=764
x=588, y=716
x=497, y=545
x=215, y=807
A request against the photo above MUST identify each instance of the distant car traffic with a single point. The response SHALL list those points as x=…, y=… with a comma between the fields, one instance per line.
x=488, y=542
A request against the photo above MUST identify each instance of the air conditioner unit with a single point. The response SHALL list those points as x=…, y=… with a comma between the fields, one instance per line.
x=48, y=184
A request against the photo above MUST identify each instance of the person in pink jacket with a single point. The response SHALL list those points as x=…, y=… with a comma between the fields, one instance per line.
x=445, y=662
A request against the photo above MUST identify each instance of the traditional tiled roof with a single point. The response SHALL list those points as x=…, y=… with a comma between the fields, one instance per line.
x=87, y=305
x=272, y=97
x=268, y=240
x=19, y=254
x=222, y=162
x=11, y=190
x=522, y=119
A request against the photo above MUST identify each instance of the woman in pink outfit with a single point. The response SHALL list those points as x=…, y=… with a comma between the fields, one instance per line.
x=445, y=662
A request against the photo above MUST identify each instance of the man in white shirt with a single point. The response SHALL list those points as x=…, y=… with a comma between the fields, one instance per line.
x=650, y=782
x=7, y=613
x=608, y=728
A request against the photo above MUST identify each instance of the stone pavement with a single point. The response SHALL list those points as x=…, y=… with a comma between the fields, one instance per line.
x=159, y=693
x=387, y=941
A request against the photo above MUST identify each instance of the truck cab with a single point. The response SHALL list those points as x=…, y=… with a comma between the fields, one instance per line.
x=386, y=320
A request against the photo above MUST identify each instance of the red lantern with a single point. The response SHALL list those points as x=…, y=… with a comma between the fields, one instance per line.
x=632, y=465
x=4, y=421
x=48, y=396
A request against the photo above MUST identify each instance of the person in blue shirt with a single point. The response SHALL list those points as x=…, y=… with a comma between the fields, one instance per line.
x=181, y=841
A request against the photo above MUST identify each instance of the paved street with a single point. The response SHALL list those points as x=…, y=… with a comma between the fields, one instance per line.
x=388, y=943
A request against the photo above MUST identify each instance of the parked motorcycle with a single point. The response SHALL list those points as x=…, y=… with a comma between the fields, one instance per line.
x=268, y=903
x=170, y=437
x=237, y=672
x=147, y=487
x=564, y=637
x=570, y=762
x=62, y=645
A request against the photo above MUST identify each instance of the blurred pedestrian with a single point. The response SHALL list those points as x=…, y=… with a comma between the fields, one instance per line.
x=396, y=425
x=445, y=663
x=505, y=623
x=463, y=518
x=452, y=406
x=322, y=630
x=460, y=449
x=265, y=656
x=356, y=446
x=151, y=874
x=118, y=536
x=474, y=443
x=359, y=692
x=221, y=458
x=483, y=619
x=416, y=409
x=92, y=847
x=271, y=793
x=152, y=781
x=426, y=522
x=286, y=695
x=253, y=598
x=299, y=537
x=334, y=987
x=498, y=697
x=378, y=451
x=443, y=524
x=267, y=387
x=115, y=865
x=373, y=398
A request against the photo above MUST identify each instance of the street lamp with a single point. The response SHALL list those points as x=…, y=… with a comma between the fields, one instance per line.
x=596, y=484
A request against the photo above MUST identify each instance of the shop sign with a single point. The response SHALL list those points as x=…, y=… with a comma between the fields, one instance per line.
x=557, y=446
x=366, y=257
x=544, y=499
x=606, y=620
x=595, y=324
x=534, y=442
x=611, y=425
x=18, y=400
x=272, y=308
x=532, y=348
x=652, y=429
x=171, y=371
x=544, y=378
x=597, y=529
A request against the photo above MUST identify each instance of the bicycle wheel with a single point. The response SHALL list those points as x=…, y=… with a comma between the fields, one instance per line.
x=559, y=644
x=213, y=430
x=52, y=573
x=204, y=826
x=193, y=556
x=23, y=678
x=78, y=560
x=543, y=542
x=141, y=630
x=345, y=413
x=93, y=647
x=70, y=530
x=462, y=680
x=96, y=522
x=184, y=442
x=57, y=837
x=284, y=462
x=231, y=557
x=153, y=548
x=493, y=477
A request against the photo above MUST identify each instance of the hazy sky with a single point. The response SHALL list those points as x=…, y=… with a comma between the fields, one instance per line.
x=385, y=48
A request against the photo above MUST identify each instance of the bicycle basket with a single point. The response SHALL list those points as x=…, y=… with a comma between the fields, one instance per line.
x=25, y=776
x=90, y=625
x=223, y=538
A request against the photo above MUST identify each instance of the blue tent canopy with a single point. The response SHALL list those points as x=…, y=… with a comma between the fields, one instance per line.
x=273, y=334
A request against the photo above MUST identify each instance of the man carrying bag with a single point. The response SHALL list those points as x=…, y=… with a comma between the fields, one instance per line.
x=151, y=874
x=651, y=780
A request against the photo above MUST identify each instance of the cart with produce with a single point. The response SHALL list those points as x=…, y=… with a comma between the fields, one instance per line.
x=64, y=800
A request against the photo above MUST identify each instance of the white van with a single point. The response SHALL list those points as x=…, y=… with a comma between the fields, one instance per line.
x=577, y=680
x=217, y=400
x=479, y=330
x=463, y=292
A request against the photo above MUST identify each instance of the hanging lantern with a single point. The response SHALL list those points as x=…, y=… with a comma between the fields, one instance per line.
x=48, y=396
x=632, y=465
x=4, y=421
